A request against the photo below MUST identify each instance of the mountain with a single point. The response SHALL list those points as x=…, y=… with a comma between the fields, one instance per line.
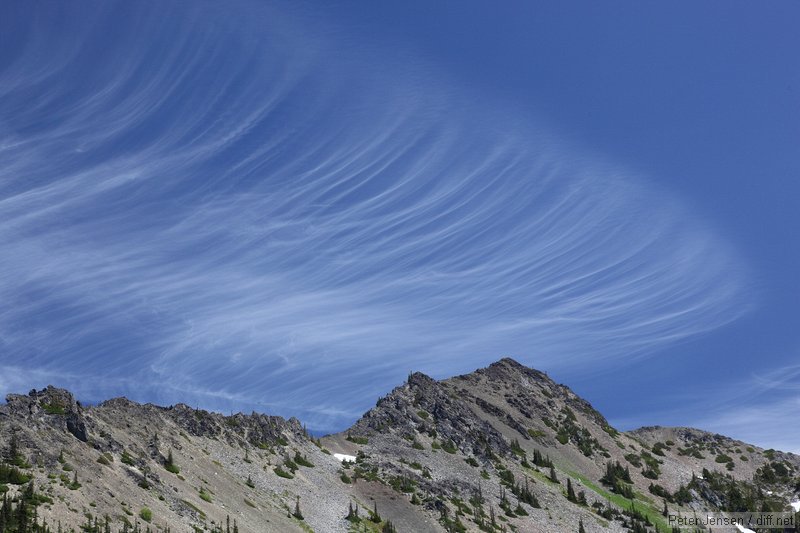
x=504, y=448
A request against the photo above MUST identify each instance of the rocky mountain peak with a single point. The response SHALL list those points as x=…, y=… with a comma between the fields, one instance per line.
x=60, y=399
x=511, y=371
x=420, y=380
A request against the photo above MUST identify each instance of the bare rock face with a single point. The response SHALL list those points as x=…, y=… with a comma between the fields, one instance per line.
x=255, y=428
x=424, y=405
x=520, y=378
x=51, y=406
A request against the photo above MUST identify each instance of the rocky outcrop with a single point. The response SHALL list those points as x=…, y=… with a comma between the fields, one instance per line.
x=426, y=406
x=256, y=428
x=50, y=406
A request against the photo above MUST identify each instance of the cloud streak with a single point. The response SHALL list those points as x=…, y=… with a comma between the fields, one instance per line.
x=244, y=210
x=757, y=408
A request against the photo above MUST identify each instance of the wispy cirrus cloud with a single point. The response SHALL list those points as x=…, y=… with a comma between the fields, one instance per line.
x=255, y=219
x=758, y=408
x=763, y=409
x=770, y=423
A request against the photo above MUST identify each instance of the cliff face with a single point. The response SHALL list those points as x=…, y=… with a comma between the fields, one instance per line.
x=502, y=448
x=51, y=408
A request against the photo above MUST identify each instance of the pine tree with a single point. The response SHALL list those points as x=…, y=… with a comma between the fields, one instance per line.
x=352, y=513
x=375, y=516
x=525, y=495
x=581, y=529
x=519, y=510
x=170, y=465
x=537, y=457
x=553, y=476
x=297, y=513
x=571, y=492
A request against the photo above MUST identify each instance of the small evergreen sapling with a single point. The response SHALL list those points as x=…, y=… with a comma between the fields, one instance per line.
x=170, y=465
x=297, y=513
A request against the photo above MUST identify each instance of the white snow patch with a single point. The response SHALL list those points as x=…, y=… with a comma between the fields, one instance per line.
x=342, y=457
x=796, y=506
x=743, y=529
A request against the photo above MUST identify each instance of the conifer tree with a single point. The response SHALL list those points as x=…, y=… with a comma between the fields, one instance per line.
x=170, y=465
x=297, y=513
x=571, y=492
x=352, y=513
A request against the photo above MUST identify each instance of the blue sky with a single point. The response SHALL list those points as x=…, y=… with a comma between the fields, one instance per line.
x=288, y=206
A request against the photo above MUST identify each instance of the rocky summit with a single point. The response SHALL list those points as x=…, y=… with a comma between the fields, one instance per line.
x=502, y=449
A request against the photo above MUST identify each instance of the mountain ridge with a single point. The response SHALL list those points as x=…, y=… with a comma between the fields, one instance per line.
x=503, y=448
